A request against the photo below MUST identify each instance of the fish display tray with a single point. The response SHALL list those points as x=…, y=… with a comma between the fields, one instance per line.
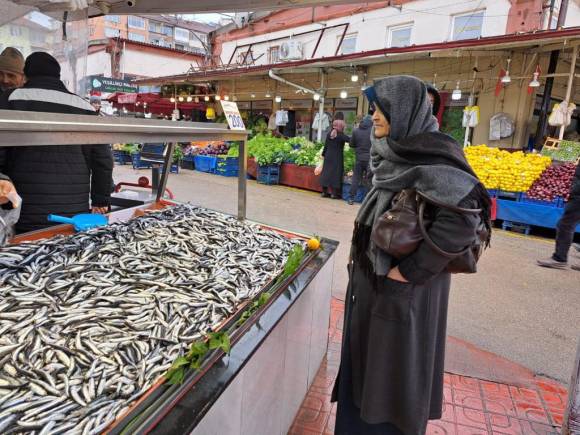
x=148, y=404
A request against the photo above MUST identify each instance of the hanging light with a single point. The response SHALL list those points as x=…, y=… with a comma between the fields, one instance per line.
x=535, y=83
x=189, y=98
x=235, y=98
x=217, y=98
x=181, y=99
x=196, y=99
x=343, y=94
x=456, y=95
x=227, y=97
x=316, y=96
x=354, y=78
x=506, y=78
x=278, y=99
x=268, y=95
x=172, y=99
x=206, y=98
x=253, y=96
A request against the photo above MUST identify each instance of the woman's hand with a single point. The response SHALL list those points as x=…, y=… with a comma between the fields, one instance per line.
x=6, y=187
x=396, y=275
x=100, y=210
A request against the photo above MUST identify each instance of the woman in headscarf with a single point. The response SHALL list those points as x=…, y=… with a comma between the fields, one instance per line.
x=391, y=372
x=333, y=166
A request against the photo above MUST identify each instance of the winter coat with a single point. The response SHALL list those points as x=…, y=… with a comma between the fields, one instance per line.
x=333, y=167
x=575, y=192
x=57, y=179
x=398, y=330
x=361, y=140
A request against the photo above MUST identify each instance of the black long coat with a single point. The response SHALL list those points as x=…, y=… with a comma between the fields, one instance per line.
x=397, y=330
x=333, y=167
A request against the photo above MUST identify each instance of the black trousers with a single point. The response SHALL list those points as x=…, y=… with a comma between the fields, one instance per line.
x=360, y=174
x=565, y=229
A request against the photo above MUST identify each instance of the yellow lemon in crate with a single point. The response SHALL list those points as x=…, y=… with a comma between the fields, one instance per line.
x=313, y=244
x=513, y=172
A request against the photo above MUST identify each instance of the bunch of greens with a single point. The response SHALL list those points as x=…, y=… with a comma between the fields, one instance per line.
x=131, y=148
x=177, y=154
x=567, y=151
x=308, y=156
x=268, y=150
x=234, y=150
x=349, y=158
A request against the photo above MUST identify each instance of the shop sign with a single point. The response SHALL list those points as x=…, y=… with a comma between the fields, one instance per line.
x=232, y=115
x=346, y=103
x=266, y=104
x=127, y=98
x=244, y=105
x=103, y=84
x=296, y=104
x=328, y=103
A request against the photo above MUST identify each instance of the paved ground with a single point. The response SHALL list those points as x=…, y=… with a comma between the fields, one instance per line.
x=511, y=307
x=471, y=406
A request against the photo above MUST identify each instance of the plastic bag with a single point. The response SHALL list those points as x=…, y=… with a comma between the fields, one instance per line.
x=558, y=115
x=8, y=219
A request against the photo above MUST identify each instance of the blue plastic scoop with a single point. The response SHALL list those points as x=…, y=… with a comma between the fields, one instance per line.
x=81, y=222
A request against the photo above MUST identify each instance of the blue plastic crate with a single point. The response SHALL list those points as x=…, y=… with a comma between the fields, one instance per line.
x=504, y=194
x=517, y=227
x=122, y=157
x=138, y=164
x=269, y=174
x=556, y=202
x=360, y=193
x=205, y=164
x=153, y=148
x=227, y=166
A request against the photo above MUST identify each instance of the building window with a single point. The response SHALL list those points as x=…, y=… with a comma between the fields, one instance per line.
x=467, y=26
x=15, y=30
x=167, y=30
x=113, y=19
x=181, y=35
x=348, y=44
x=155, y=27
x=274, y=54
x=136, y=37
x=400, y=36
x=91, y=30
x=199, y=38
x=180, y=47
x=136, y=22
x=112, y=33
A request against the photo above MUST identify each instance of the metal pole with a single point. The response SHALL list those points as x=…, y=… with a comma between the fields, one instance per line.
x=562, y=14
x=571, y=424
x=320, y=108
x=242, y=183
x=570, y=83
x=542, y=125
x=552, y=2
x=166, y=169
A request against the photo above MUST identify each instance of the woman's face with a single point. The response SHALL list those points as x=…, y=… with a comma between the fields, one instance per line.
x=382, y=126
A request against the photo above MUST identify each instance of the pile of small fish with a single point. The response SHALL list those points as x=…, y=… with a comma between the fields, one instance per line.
x=89, y=322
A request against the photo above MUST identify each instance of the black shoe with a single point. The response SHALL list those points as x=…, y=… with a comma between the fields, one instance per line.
x=350, y=202
x=336, y=197
x=325, y=195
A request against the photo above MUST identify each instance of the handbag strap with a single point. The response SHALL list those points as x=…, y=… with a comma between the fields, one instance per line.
x=447, y=206
x=421, y=211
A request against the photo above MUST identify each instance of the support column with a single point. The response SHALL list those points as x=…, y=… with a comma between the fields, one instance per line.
x=546, y=99
x=570, y=83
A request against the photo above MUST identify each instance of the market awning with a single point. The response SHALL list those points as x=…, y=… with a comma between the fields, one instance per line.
x=154, y=103
x=540, y=40
x=16, y=8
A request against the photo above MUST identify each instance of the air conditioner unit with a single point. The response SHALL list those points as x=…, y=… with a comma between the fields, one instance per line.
x=291, y=50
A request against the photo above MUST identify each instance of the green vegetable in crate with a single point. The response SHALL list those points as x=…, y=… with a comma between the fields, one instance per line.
x=567, y=151
x=349, y=159
x=177, y=154
x=268, y=150
x=234, y=150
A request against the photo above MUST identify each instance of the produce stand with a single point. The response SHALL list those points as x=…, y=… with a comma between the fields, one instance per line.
x=529, y=214
x=275, y=353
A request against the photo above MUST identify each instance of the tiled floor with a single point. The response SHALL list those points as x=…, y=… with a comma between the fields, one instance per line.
x=471, y=406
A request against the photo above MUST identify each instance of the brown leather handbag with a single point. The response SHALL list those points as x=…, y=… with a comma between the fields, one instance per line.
x=401, y=229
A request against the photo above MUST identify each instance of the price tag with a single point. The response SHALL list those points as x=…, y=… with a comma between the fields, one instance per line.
x=233, y=116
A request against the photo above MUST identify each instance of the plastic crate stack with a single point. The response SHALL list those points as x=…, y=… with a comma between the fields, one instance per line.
x=269, y=174
x=206, y=164
x=227, y=166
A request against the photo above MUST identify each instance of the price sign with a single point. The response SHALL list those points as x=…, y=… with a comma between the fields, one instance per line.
x=232, y=114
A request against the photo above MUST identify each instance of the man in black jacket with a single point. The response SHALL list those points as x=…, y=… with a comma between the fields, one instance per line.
x=60, y=178
x=566, y=228
x=361, y=143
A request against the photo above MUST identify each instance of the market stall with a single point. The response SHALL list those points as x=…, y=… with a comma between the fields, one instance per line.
x=208, y=305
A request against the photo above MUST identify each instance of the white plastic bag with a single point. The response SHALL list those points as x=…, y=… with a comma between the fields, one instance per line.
x=8, y=218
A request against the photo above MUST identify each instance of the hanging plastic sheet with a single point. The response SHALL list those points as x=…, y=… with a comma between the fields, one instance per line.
x=501, y=125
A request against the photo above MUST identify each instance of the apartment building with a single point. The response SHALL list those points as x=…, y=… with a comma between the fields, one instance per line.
x=161, y=30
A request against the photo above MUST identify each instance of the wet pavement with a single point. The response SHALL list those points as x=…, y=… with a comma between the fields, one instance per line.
x=511, y=308
x=530, y=405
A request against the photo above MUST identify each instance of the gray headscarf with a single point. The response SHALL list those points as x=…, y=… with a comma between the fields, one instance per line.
x=425, y=160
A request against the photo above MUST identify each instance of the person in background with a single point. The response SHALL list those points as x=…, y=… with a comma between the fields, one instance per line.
x=6, y=188
x=11, y=69
x=434, y=97
x=333, y=166
x=361, y=143
x=59, y=179
x=390, y=380
x=565, y=229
